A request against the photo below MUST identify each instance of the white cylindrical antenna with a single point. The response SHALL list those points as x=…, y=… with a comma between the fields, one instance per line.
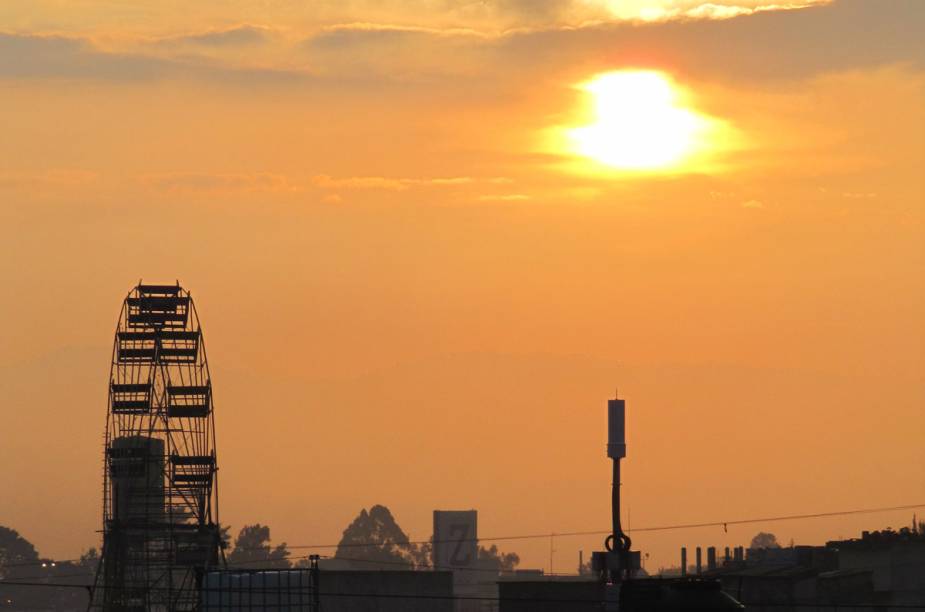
x=616, y=428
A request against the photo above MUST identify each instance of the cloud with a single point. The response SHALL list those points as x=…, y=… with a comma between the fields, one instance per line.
x=40, y=56
x=694, y=9
x=392, y=184
x=548, y=11
x=219, y=182
x=745, y=40
x=762, y=45
x=359, y=182
x=581, y=12
x=388, y=31
x=398, y=51
x=753, y=204
x=495, y=17
x=47, y=56
x=268, y=182
x=50, y=178
x=490, y=16
x=238, y=36
x=503, y=197
x=742, y=39
x=383, y=43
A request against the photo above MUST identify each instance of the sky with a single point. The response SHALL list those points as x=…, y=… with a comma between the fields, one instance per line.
x=414, y=294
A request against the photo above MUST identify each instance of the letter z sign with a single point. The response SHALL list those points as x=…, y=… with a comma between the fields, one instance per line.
x=461, y=545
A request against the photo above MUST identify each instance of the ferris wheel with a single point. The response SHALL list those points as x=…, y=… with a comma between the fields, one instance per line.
x=160, y=502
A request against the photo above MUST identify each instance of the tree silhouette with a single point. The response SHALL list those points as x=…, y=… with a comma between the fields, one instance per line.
x=89, y=560
x=423, y=554
x=252, y=550
x=375, y=541
x=80, y=572
x=15, y=550
x=224, y=537
x=19, y=561
x=764, y=540
x=495, y=560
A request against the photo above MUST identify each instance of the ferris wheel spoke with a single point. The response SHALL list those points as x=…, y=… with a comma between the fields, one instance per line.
x=160, y=526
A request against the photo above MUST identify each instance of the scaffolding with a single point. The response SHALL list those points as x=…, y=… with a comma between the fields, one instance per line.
x=160, y=503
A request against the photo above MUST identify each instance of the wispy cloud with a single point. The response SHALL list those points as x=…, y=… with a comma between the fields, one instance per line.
x=219, y=182
x=50, y=178
x=393, y=184
x=54, y=56
x=667, y=10
x=387, y=28
x=242, y=35
x=503, y=197
x=698, y=38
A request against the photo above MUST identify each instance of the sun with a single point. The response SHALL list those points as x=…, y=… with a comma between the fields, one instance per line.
x=640, y=123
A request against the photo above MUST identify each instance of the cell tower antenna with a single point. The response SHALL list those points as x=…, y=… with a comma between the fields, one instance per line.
x=619, y=562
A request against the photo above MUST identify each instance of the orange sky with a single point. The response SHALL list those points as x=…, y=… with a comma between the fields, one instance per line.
x=409, y=300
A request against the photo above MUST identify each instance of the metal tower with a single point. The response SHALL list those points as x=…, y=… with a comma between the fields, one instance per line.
x=622, y=561
x=619, y=562
x=160, y=504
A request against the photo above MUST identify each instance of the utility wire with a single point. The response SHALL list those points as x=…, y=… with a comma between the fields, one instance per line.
x=535, y=536
x=430, y=566
x=307, y=590
x=254, y=566
x=791, y=517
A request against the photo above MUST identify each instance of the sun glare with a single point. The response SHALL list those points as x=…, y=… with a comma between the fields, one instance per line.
x=639, y=123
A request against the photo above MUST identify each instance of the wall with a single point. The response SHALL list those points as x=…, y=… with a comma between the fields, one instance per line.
x=383, y=591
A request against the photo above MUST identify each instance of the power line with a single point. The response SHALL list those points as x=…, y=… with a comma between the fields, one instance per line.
x=427, y=566
x=535, y=536
x=243, y=566
x=276, y=590
x=39, y=577
x=791, y=517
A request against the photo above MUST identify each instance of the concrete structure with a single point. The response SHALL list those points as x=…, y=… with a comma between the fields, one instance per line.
x=456, y=549
x=882, y=569
x=291, y=590
x=386, y=591
x=559, y=594
x=337, y=591
x=895, y=560
x=840, y=587
x=456, y=536
x=550, y=594
x=771, y=588
x=137, y=478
